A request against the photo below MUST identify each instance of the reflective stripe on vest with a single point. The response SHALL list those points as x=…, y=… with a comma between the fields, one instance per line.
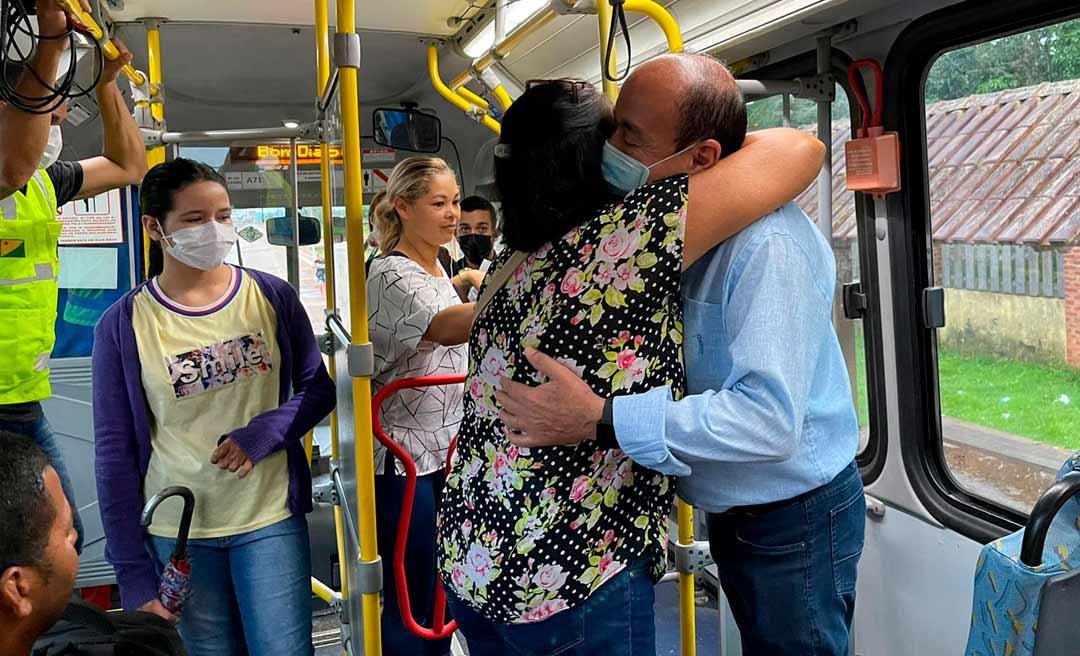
x=9, y=208
x=41, y=271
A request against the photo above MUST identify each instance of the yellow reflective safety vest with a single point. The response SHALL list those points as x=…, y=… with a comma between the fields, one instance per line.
x=29, y=263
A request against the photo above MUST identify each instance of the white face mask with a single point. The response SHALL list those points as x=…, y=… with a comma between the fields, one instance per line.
x=203, y=247
x=52, y=148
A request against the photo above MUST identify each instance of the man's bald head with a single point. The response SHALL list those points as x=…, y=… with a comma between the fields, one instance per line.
x=676, y=102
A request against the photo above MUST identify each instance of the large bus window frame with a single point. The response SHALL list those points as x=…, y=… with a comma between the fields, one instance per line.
x=906, y=68
x=871, y=460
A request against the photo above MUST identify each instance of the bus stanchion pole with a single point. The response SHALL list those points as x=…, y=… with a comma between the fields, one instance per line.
x=347, y=56
x=685, y=513
x=323, y=65
x=687, y=610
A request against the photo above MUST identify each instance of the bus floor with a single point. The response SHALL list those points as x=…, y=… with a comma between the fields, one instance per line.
x=327, y=631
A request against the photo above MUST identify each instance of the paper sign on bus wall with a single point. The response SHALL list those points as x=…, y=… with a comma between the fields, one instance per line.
x=91, y=221
x=375, y=180
x=379, y=156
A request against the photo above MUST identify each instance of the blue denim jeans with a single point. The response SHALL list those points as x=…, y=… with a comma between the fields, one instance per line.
x=789, y=571
x=419, y=560
x=617, y=620
x=250, y=593
x=39, y=430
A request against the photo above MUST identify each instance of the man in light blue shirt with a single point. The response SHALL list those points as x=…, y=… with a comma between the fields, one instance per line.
x=765, y=441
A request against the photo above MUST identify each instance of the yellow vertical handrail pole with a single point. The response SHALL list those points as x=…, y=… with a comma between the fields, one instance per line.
x=154, y=156
x=684, y=512
x=662, y=17
x=322, y=47
x=454, y=99
x=687, y=607
x=603, y=14
x=354, y=209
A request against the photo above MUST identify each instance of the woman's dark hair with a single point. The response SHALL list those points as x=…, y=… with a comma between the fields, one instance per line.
x=548, y=176
x=158, y=189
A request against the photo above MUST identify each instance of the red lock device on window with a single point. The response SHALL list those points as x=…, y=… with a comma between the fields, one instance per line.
x=873, y=159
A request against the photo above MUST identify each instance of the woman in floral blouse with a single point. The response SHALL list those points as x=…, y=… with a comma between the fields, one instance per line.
x=555, y=550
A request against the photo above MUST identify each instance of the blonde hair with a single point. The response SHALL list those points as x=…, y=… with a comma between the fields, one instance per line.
x=410, y=181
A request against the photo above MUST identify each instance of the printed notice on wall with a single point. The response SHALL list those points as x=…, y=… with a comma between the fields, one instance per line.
x=92, y=221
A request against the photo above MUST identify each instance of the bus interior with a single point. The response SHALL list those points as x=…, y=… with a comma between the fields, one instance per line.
x=957, y=296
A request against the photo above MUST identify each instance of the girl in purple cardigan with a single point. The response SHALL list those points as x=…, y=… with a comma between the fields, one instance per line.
x=208, y=376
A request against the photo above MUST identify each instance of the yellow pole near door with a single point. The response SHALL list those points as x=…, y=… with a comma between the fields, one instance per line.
x=354, y=211
x=322, y=47
x=687, y=608
x=684, y=512
x=154, y=156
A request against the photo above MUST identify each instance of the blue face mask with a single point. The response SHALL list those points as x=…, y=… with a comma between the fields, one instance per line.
x=623, y=173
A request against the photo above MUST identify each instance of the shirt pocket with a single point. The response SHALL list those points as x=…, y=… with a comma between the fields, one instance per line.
x=707, y=356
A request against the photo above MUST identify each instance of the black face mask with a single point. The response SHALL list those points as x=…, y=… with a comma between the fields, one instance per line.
x=476, y=248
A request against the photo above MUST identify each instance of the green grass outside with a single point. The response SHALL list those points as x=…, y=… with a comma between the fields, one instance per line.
x=1013, y=396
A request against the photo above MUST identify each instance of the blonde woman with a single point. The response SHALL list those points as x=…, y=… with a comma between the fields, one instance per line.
x=418, y=327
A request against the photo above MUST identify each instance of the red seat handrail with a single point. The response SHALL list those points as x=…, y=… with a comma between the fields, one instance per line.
x=440, y=628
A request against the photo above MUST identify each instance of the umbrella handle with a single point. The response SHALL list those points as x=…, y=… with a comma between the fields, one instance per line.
x=185, y=519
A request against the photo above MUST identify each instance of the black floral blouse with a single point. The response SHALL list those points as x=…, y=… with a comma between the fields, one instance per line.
x=525, y=534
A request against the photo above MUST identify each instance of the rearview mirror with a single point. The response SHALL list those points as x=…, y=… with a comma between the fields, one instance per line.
x=407, y=129
x=279, y=231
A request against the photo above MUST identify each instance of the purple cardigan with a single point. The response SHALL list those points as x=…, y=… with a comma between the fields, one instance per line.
x=122, y=427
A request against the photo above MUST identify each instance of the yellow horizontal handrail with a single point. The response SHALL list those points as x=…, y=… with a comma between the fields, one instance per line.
x=321, y=590
x=468, y=95
x=662, y=17
x=455, y=99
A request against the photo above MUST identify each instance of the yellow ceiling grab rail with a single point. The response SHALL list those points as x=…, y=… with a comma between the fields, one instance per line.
x=661, y=17
x=455, y=99
x=503, y=96
x=503, y=49
x=75, y=10
x=468, y=95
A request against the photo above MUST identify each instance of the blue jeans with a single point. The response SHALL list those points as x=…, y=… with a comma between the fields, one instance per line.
x=250, y=593
x=39, y=430
x=788, y=570
x=617, y=620
x=419, y=560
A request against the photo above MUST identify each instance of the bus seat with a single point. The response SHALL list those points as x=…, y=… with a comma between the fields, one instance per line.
x=1026, y=583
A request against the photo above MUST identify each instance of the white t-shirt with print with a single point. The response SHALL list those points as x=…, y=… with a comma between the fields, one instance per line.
x=402, y=301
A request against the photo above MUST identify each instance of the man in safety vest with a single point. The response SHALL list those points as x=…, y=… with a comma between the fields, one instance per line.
x=33, y=185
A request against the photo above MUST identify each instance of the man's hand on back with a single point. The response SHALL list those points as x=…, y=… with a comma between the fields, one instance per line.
x=563, y=410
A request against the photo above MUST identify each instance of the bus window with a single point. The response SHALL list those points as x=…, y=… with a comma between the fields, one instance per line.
x=769, y=112
x=1002, y=119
